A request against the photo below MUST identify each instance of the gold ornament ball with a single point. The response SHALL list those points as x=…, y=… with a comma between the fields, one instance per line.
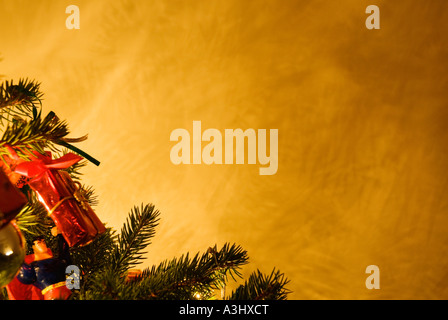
x=12, y=253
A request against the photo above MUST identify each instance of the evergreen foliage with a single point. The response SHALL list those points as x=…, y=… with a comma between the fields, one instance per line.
x=105, y=263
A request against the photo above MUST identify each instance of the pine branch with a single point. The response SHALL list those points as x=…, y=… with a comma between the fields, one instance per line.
x=262, y=287
x=118, y=254
x=105, y=285
x=179, y=278
x=19, y=100
x=33, y=135
x=135, y=235
x=33, y=219
x=88, y=192
x=94, y=258
x=184, y=277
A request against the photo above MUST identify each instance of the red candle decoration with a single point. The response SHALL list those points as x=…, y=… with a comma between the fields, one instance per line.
x=61, y=197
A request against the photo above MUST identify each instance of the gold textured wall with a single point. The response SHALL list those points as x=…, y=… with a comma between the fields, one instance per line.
x=361, y=116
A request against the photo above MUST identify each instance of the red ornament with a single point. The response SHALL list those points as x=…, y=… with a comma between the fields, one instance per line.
x=61, y=197
x=11, y=200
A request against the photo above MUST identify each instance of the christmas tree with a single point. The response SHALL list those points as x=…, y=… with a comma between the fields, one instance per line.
x=41, y=162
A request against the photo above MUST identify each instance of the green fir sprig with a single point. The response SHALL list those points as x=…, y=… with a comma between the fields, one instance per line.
x=19, y=100
x=262, y=287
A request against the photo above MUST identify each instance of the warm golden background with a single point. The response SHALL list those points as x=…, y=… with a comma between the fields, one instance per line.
x=361, y=115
